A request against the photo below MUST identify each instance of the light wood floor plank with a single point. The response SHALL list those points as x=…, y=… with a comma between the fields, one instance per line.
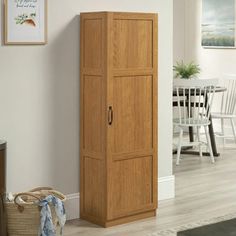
x=203, y=191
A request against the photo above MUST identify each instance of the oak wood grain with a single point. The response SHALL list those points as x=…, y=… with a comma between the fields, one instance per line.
x=203, y=191
x=118, y=116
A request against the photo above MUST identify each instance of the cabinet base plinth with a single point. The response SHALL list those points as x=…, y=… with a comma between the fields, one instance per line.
x=120, y=221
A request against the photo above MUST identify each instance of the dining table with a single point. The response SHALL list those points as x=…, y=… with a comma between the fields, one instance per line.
x=186, y=150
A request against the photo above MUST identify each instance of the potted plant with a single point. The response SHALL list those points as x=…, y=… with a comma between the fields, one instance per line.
x=186, y=71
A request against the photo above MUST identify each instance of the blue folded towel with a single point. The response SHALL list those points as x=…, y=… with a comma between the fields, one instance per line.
x=46, y=226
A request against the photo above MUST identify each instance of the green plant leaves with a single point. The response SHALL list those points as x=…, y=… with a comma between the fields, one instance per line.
x=186, y=71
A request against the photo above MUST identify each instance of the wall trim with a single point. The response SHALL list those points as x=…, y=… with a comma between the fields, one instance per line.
x=72, y=206
x=166, y=187
x=166, y=190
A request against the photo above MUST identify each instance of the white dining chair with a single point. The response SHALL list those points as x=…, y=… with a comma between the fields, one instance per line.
x=227, y=109
x=194, y=111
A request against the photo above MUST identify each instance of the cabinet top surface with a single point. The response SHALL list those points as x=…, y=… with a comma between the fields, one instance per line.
x=111, y=12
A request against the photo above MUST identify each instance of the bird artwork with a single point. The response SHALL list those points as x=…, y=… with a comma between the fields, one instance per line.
x=26, y=19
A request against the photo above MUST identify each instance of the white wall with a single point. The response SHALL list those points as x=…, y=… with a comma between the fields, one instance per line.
x=39, y=97
x=179, y=30
x=213, y=62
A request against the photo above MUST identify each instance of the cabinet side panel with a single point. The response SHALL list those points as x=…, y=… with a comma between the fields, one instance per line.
x=92, y=117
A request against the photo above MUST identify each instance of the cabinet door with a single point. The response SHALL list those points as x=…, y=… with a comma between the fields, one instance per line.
x=132, y=129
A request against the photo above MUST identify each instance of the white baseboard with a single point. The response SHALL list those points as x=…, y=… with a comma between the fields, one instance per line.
x=72, y=206
x=166, y=187
x=166, y=190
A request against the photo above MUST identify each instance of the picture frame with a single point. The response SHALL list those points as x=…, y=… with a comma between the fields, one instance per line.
x=219, y=24
x=25, y=22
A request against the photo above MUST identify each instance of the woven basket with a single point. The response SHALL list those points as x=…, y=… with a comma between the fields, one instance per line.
x=24, y=219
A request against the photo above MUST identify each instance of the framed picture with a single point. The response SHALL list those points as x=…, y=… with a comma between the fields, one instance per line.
x=25, y=22
x=218, y=23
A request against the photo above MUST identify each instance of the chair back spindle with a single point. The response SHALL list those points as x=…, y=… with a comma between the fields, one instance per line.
x=194, y=99
x=228, y=102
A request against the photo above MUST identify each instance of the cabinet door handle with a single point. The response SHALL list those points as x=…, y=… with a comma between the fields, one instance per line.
x=110, y=115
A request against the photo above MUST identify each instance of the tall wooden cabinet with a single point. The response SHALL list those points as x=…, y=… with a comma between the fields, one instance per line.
x=118, y=117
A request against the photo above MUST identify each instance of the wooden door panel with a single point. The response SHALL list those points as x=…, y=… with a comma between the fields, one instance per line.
x=132, y=185
x=93, y=43
x=133, y=44
x=133, y=114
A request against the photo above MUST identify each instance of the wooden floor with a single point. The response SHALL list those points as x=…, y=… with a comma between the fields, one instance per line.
x=203, y=191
